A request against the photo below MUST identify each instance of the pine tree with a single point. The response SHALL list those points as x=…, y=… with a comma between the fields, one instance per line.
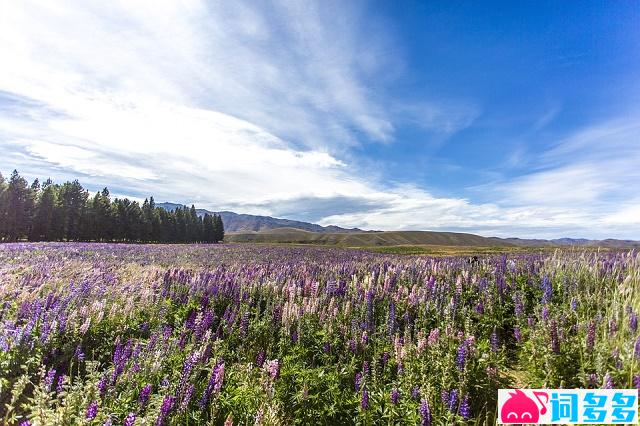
x=73, y=202
x=181, y=225
x=148, y=210
x=208, y=229
x=219, y=227
x=3, y=187
x=43, y=227
x=194, y=226
x=164, y=229
x=16, y=208
x=156, y=223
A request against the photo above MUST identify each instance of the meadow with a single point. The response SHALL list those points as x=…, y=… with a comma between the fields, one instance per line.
x=116, y=334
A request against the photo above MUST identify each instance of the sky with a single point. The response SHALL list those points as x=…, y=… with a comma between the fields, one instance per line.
x=511, y=119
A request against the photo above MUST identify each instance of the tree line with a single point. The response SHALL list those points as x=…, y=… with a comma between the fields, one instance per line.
x=67, y=212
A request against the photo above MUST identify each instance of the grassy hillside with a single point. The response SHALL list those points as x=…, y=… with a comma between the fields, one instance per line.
x=366, y=239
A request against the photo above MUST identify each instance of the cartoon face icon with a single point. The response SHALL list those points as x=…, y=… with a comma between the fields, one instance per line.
x=519, y=408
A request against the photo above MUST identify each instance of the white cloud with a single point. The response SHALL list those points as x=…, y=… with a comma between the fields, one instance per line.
x=234, y=104
x=592, y=167
x=627, y=216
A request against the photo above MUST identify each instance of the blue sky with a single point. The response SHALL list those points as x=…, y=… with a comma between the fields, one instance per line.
x=498, y=118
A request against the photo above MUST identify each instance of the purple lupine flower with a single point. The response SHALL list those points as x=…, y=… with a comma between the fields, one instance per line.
x=186, y=399
x=129, y=420
x=190, y=321
x=444, y=396
x=92, y=411
x=259, y=417
x=518, y=305
x=461, y=356
x=415, y=393
x=46, y=330
x=102, y=385
x=615, y=354
x=364, y=402
x=545, y=313
x=145, y=393
x=79, y=355
x=294, y=336
x=204, y=324
x=48, y=380
x=608, y=381
x=260, y=358
x=553, y=334
x=25, y=423
x=636, y=381
x=591, y=336
x=369, y=319
x=574, y=304
x=244, y=324
x=182, y=342
x=547, y=290
x=434, y=336
x=494, y=341
x=357, y=381
x=60, y=385
x=636, y=352
x=215, y=383
x=365, y=368
x=352, y=346
x=391, y=326
x=385, y=358
x=633, y=321
x=517, y=334
x=395, y=396
x=277, y=316
x=167, y=406
x=453, y=400
x=592, y=379
x=273, y=368
x=425, y=413
x=613, y=326
x=189, y=362
x=465, y=408
x=219, y=376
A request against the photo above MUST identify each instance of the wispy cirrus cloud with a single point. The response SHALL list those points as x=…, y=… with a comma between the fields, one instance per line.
x=591, y=167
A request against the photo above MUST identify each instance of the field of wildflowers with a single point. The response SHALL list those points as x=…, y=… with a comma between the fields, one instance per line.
x=199, y=334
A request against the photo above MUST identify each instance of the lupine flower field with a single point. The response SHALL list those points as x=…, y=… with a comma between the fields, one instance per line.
x=107, y=334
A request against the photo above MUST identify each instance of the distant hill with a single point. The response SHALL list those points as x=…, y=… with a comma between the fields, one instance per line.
x=575, y=242
x=267, y=229
x=365, y=239
x=234, y=222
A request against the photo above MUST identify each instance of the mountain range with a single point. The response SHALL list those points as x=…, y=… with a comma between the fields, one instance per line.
x=267, y=229
x=236, y=222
